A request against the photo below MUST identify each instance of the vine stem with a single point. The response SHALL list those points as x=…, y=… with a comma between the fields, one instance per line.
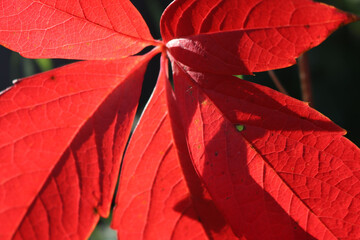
x=277, y=82
x=305, y=78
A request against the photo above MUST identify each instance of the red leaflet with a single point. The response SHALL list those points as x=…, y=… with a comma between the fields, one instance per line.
x=240, y=37
x=213, y=220
x=63, y=133
x=73, y=29
x=221, y=159
x=153, y=201
x=276, y=168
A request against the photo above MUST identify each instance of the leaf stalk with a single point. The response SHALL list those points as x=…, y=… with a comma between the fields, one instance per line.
x=277, y=82
x=305, y=78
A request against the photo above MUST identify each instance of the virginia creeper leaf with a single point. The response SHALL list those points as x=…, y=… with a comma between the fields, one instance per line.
x=286, y=173
x=153, y=201
x=240, y=37
x=73, y=29
x=151, y=188
x=62, y=138
x=213, y=221
x=225, y=157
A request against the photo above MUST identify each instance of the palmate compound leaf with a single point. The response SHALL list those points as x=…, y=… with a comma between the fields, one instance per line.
x=276, y=168
x=62, y=136
x=240, y=37
x=154, y=201
x=260, y=55
x=73, y=29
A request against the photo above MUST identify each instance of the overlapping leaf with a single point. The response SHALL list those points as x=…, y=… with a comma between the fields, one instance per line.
x=151, y=183
x=153, y=201
x=240, y=37
x=225, y=153
x=62, y=138
x=276, y=168
x=73, y=29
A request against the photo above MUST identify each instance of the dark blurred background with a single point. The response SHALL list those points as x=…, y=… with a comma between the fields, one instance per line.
x=334, y=65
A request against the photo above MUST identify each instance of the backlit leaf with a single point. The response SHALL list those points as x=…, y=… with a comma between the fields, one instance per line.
x=153, y=201
x=62, y=136
x=74, y=29
x=240, y=37
x=288, y=174
x=221, y=158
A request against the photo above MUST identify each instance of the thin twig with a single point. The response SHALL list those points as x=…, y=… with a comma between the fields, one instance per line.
x=305, y=78
x=277, y=82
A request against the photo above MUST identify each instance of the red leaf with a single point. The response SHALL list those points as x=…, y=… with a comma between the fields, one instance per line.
x=213, y=221
x=73, y=29
x=250, y=158
x=63, y=135
x=151, y=184
x=240, y=37
x=153, y=201
x=276, y=168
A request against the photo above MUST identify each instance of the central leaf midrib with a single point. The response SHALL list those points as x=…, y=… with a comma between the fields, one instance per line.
x=244, y=29
x=99, y=25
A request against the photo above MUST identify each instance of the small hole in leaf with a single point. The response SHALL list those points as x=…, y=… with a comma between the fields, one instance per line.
x=52, y=77
x=240, y=127
x=96, y=212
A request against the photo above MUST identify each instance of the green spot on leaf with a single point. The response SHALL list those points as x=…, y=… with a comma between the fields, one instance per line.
x=240, y=127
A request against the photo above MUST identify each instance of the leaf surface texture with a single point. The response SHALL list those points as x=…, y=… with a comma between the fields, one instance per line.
x=63, y=135
x=232, y=37
x=275, y=167
x=73, y=29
